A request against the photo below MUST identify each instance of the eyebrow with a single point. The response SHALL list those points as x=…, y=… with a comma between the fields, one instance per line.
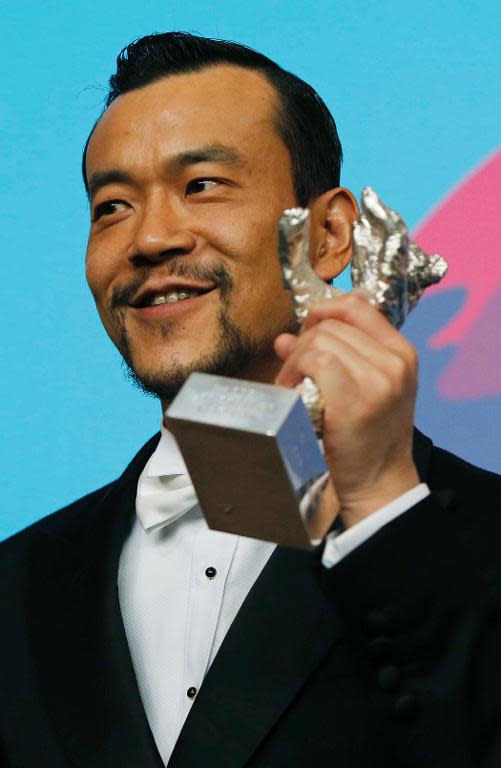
x=213, y=153
x=102, y=178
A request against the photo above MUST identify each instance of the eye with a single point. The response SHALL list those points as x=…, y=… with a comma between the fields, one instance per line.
x=108, y=208
x=200, y=185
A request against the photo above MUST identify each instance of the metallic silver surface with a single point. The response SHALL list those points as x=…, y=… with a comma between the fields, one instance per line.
x=294, y=256
x=250, y=449
x=306, y=289
x=314, y=403
x=392, y=271
x=252, y=456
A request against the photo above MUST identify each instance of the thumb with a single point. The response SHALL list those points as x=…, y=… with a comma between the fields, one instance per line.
x=284, y=345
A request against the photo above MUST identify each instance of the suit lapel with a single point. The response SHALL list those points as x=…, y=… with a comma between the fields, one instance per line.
x=282, y=632
x=284, y=629
x=78, y=639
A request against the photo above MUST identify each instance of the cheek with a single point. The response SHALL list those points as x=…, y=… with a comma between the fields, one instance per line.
x=100, y=269
x=99, y=280
x=260, y=304
x=90, y=273
x=251, y=251
x=96, y=281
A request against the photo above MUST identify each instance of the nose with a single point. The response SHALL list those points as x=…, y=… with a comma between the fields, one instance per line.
x=161, y=232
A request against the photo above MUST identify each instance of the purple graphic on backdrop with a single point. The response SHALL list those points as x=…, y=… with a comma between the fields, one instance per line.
x=457, y=326
x=466, y=229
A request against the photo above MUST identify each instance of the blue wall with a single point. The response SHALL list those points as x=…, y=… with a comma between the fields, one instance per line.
x=415, y=94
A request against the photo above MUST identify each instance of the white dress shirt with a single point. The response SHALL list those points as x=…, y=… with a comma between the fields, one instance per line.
x=181, y=585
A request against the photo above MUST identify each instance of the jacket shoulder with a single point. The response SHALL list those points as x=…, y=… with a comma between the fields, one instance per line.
x=446, y=470
x=69, y=522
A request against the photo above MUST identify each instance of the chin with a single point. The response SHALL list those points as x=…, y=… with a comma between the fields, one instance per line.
x=162, y=373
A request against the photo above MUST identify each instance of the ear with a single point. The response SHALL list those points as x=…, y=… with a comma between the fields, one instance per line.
x=332, y=215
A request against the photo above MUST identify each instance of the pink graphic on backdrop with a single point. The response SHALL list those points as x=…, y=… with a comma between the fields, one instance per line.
x=466, y=229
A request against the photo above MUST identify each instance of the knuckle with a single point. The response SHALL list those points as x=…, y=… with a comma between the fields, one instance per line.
x=328, y=324
x=399, y=369
x=382, y=391
x=323, y=359
x=318, y=342
x=387, y=388
x=368, y=411
x=354, y=301
x=321, y=335
x=404, y=363
x=412, y=356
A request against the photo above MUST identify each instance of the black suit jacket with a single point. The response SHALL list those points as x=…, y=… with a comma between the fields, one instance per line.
x=392, y=658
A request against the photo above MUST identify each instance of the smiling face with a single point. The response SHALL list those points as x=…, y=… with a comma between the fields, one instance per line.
x=188, y=178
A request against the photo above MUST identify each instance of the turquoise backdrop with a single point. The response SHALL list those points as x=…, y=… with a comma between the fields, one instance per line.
x=415, y=92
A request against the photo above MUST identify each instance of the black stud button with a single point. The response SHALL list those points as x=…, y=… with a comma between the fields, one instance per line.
x=406, y=707
x=191, y=692
x=210, y=572
x=388, y=677
x=377, y=622
x=380, y=648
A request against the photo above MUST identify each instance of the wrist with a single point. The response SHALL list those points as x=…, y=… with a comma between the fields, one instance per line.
x=363, y=502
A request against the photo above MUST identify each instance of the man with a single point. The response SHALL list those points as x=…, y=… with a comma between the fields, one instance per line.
x=141, y=640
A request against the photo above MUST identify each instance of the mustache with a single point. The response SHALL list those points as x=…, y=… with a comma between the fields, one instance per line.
x=218, y=274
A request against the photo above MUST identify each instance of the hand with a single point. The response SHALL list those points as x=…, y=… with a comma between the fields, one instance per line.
x=367, y=374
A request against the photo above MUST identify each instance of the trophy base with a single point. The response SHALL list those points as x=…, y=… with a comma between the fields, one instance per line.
x=252, y=455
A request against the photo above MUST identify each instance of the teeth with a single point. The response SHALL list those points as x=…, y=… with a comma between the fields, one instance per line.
x=169, y=298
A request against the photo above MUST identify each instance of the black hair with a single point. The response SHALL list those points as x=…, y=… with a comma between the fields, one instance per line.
x=303, y=122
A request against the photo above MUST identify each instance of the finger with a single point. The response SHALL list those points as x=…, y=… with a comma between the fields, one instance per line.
x=284, y=344
x=354, y=309
x=328, y=331
x=354, y=392
x=323, y=338
x=331, y=364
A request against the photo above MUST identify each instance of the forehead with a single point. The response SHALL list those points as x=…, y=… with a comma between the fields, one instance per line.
x=222, y=104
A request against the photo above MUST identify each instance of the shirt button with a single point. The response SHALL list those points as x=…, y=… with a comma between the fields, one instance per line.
x=380, y=647
x=210, y=572
x=388, y=678
x=191, y=692
x=406, y=707
x=377, y=622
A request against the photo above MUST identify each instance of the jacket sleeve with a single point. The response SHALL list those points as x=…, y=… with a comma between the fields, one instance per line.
x=422, y=598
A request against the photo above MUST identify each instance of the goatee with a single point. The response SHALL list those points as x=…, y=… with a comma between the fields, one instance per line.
x=233, y=353
x=234, y=350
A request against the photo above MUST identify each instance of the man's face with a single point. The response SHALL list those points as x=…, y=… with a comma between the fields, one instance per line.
x=188, y=178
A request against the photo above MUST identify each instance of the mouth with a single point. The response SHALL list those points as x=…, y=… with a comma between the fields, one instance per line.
x=163, y=301
x=170, y=297
x=156, y=296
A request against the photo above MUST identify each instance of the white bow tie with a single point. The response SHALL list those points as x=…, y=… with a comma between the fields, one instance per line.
x=161, y=500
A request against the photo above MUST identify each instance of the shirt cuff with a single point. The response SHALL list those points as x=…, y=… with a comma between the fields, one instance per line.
x=338, y=544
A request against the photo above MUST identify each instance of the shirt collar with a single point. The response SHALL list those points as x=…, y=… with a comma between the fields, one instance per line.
x=167, y=458
x=164, y=491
